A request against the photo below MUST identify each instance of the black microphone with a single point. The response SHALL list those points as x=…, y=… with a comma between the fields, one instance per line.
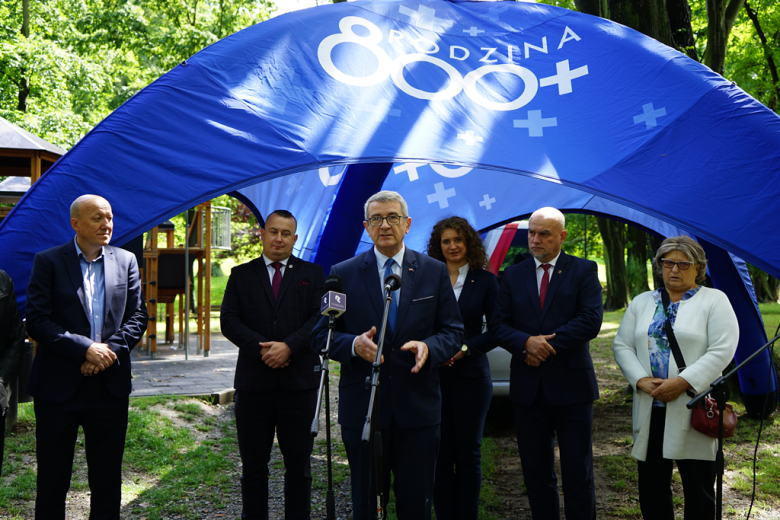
x=334, y=302
x=392, y=282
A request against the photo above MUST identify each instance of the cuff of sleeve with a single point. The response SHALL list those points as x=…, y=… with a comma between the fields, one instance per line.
x=353, y=346
x=254, y=350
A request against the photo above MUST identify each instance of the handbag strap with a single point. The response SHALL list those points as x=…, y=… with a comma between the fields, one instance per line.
x=675, y=347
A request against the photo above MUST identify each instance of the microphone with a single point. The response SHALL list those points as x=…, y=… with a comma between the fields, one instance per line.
x=334, y=302
x=392, y=282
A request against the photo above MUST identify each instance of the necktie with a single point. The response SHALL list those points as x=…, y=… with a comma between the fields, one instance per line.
x=277, y=281
x=393, y=312
x=544, y=285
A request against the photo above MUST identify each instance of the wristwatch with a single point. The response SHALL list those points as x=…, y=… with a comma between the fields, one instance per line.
x=465, y=349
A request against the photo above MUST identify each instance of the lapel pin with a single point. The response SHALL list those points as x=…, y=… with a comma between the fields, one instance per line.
x=411, y=270
x=559, y=271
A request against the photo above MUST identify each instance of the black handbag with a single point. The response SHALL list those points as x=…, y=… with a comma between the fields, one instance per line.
x=705, y=416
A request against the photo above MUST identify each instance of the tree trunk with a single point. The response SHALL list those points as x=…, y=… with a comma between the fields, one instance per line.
x=721, y=15
x=594, y=7
x=774, y=289
x=613, y=234
x=637, y=261
x=653, y=245
x=680, y=24
x=646, y=16
x=24, y=86
x=775, y=97
x=766, y=286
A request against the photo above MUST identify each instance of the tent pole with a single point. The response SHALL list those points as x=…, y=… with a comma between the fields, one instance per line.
x=186, y=284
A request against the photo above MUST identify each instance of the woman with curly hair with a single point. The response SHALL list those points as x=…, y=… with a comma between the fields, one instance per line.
x=466, y=388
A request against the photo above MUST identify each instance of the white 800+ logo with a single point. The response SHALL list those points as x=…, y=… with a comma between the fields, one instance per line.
x=395, y=69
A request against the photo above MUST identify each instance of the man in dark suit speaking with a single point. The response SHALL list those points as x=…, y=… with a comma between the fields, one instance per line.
x=268, y=312
x=548, y=309
x=86, y=311
x=424, y=330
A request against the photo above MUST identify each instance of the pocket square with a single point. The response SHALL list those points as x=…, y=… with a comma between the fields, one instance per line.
x=303, y=282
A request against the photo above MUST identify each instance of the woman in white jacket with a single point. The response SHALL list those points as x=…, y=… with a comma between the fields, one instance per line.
x=707, y=331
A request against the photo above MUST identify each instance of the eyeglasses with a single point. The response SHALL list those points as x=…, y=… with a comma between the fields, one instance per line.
x=682, y=266
x=392, y=220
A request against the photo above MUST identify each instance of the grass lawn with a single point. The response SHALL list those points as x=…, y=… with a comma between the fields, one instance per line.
x=739, y=450
x=177, y=458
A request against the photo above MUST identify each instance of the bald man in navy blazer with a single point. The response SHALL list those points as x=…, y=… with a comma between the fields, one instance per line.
x=86, y=310
x=428, y=330
x=548, y=309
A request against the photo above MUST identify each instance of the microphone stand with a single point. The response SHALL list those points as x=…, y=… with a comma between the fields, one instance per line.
x=330, y=501
x=720, y=393
x=372, y=417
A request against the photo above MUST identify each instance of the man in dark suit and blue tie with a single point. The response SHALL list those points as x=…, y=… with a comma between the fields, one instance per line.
x=268, y=311
x=85, y=309
x=424, y=330
x=549, y=307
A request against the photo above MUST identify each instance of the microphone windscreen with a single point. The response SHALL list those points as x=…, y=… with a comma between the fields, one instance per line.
x=393, y=281
x=334, y=283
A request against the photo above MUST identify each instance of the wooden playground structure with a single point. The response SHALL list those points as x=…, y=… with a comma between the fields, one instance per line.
x=164, y=277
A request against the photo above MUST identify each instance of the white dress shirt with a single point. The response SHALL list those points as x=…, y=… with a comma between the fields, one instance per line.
x=271, y=270
x=381, y=260
x=461, y=281
x=540, y=271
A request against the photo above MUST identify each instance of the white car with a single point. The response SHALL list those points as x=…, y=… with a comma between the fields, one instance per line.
x=499, y=371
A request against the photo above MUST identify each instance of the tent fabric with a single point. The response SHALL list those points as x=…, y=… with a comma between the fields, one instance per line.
x=522, y=89
x=313, y=190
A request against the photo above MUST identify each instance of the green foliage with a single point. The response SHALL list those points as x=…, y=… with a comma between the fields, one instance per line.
x=638, y=273
x=84, y=58
x=245, y=230
x=582, y=236
x=746, y=63
x=568, y=4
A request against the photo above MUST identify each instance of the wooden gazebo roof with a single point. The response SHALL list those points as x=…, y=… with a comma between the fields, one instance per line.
x=23, y=154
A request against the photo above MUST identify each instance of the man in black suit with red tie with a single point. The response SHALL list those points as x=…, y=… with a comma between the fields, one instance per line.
x=85, y=309
x=548, y=309
x=269, y=309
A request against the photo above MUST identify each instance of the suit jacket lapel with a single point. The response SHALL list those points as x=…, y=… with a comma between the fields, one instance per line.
x=529, y=275
x=71, y=259
x=289, y=274
x=262, y=273
x=561, y=268
x=408, y=276
x=370, y=273
x=110, y=280
x=469, y=286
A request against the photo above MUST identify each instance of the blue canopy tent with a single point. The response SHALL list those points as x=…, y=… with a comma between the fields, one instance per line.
x=513, y=197
x=522, y=89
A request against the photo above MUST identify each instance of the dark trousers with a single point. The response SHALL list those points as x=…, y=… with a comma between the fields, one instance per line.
x=410, y=453
x=537, y=426
x=655, y=479
x=103, y=418
x=288, y=414
x=464, y=406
